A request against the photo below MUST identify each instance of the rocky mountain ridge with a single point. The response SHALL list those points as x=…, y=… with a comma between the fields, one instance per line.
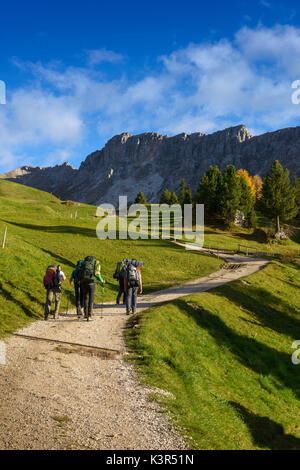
x=149, y=162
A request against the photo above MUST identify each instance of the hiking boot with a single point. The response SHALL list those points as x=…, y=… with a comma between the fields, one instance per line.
x=127, y=312
x=46, y=318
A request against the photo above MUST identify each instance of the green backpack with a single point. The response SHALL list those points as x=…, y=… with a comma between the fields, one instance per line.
x=87, y=270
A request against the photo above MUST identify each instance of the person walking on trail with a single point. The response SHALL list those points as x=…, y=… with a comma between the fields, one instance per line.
x=78, y=290
x=52, y=281
x=120, y=275
x=133, y=285
x=89, y=274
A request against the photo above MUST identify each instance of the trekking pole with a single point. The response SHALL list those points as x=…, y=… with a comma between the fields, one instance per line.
x=102, y=301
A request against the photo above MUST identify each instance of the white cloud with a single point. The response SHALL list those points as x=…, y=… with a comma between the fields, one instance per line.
x=200, y=88
x=278, y=46
x=39, y=115
x=98, y=56
x=266, y=4
x=36, y=118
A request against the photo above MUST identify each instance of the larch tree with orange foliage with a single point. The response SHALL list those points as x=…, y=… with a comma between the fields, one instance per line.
x=258, y=184
x=248, y=180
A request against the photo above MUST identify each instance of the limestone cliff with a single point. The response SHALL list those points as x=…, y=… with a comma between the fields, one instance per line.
x=150, y=162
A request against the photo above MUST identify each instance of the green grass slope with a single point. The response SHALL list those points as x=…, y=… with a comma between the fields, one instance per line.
x=217, y=237
x=225, y=356
x=43, y=230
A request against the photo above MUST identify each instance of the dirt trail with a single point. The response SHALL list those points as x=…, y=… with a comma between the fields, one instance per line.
x=61, y=396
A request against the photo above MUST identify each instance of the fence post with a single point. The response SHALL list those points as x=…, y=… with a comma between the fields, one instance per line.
x=4, y=238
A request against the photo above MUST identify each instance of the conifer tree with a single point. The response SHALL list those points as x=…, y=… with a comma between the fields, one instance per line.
x=173, y=198
x=247, y=198
x=297, y=186
x=188, y=198
x=230, y=194
x=278, y=195
x=165, y=197
x=209, y=191
x=182, y=192
x=140, y=199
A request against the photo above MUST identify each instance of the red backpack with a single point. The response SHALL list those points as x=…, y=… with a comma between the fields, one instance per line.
x=51, y=278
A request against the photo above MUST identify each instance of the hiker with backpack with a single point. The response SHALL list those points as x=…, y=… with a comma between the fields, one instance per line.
x=133, y=284
x=89, y=273
x=119, y=274
x=52, y=281
x=78, y=290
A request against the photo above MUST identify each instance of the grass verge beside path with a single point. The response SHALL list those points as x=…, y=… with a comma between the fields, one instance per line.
x=225, y=356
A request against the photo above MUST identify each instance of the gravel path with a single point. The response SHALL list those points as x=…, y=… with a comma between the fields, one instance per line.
x=56, y=396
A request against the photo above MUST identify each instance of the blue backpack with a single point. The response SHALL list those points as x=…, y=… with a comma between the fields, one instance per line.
x=77, y=270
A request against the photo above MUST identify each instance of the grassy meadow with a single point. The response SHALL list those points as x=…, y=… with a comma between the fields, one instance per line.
x=43, y=230
x=217, y=237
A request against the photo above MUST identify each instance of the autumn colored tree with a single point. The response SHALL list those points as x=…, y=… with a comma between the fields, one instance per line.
x=258, y=184
x=248, y=180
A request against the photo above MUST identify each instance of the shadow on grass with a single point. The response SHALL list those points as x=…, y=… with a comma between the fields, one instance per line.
x=70, y=229
x=7, y=295
x=251, y=353
x=61, y=260
x=265, y=432
x=91, y=232
x=267, y=308
x=31, y=297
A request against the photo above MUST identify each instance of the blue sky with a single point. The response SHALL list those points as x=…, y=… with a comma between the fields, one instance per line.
x=77, y=74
